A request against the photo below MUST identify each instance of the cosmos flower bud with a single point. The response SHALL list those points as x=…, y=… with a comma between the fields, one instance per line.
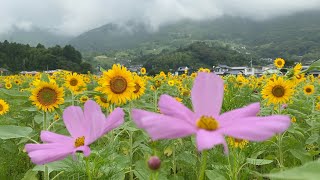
x=154, y=163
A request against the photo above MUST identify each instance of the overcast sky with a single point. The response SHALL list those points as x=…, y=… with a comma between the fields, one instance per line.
x=72, y=17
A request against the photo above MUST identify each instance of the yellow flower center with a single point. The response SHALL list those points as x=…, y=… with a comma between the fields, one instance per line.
x=118, y=84
x=47, y=96
x=278, y=91
x=73, y=82
x=137, y=86
x=238, y=140
x=79, y=141
x=207, y=123
x=279, y=63
x=1, y=107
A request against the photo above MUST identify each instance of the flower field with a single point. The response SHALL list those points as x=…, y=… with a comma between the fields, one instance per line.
x=126, y=125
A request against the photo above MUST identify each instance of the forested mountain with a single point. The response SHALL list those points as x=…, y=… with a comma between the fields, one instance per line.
x=19, y=57
x=296, y=36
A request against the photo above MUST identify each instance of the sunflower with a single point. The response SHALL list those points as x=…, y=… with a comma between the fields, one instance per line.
x=297, y=68
x=84, y=98
x=140, y=87
x=299, y=78
x=308, y=89
x=237, y=143
x=143, y=71
x=56, y=117
x=278, y=91
x=18, y=81
x=293, y=119
x=47, y=96
x=279, y=62
x=318, y=106
x=117, y=83
x=4, y=107
x=102, y=101
x=171, y=83
x=74, y=82
x=8, y=85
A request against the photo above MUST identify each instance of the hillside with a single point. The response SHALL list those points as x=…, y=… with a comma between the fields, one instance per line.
x=289, y=36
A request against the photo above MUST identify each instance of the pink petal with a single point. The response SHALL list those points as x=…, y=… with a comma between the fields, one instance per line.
x=247, y=111
x=171, y=107
x=50, y=137
x=94, y=121
x=208, y=139
x=207, y=94
x=160, y=126
x=74, y=120
x=255, y=128
x=46, y=153
x=114, y=120
x=84, y=149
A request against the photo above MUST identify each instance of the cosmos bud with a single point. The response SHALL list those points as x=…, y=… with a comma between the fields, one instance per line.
x=154, y=163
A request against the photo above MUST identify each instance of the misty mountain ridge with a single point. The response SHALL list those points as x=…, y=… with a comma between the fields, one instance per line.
x=295, y=28
x=35, y=35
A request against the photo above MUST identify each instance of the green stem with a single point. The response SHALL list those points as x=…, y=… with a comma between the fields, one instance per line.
x=131, y=155
x=88, y=169
x=46, y=171
x=280, y=144
x=174, y=162
x=203, y=165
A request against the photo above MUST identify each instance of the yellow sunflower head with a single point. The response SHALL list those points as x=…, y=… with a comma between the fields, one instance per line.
x=4, y=107
x=84, y=98
x=308, y=89
x=171, y=83
x=102, y=101
x=74, y=82
x=279, y=62
x=278, y=91
x=47, y=96
x=143, y=71
x=140, y=87
x=318, y=106
x=297, y=68
x=117, y=83
x=8, y=85
x=237, y=143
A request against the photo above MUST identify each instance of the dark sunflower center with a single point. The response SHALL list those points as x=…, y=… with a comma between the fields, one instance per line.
x=207, y=123
x=103, y=100
x=278, y=91
x=298, y=76
x=137, y=87
x=308, y=90
x=79, y=141
x=1, y=107
x=238, y=140
x=118, y=84
x=279, y=63
x=47, y=96
x=73, y=82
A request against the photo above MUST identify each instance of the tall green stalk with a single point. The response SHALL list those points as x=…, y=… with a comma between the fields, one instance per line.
x=88, y=169
x=46, y=171
x=203, y=165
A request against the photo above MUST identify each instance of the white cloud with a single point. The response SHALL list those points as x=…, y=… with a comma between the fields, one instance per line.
x=73, y=17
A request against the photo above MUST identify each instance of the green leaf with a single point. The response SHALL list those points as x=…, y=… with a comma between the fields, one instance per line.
x=313, y=66
x=313, y=138
x=30, y=175
x=10, y=132
x=214, y=175
x=55, y=166
x=258, y=162
x=101, y=69
x=301, y=154
x=309, y=171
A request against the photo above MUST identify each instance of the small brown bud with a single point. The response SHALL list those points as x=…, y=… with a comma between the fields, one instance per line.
x=154, y=163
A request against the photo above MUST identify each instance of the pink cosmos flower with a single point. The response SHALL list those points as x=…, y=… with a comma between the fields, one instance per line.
x=84, y=128
x=205, y=121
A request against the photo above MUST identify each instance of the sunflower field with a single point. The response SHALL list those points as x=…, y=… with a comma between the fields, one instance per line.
x=128, y=125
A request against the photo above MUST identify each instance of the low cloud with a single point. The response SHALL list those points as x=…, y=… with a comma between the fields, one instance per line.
x=73, y=17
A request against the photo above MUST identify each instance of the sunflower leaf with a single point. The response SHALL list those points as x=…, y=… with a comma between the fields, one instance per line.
x=10, y=131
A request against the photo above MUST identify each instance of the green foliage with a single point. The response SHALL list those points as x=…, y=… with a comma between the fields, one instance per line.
x=18, y=57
